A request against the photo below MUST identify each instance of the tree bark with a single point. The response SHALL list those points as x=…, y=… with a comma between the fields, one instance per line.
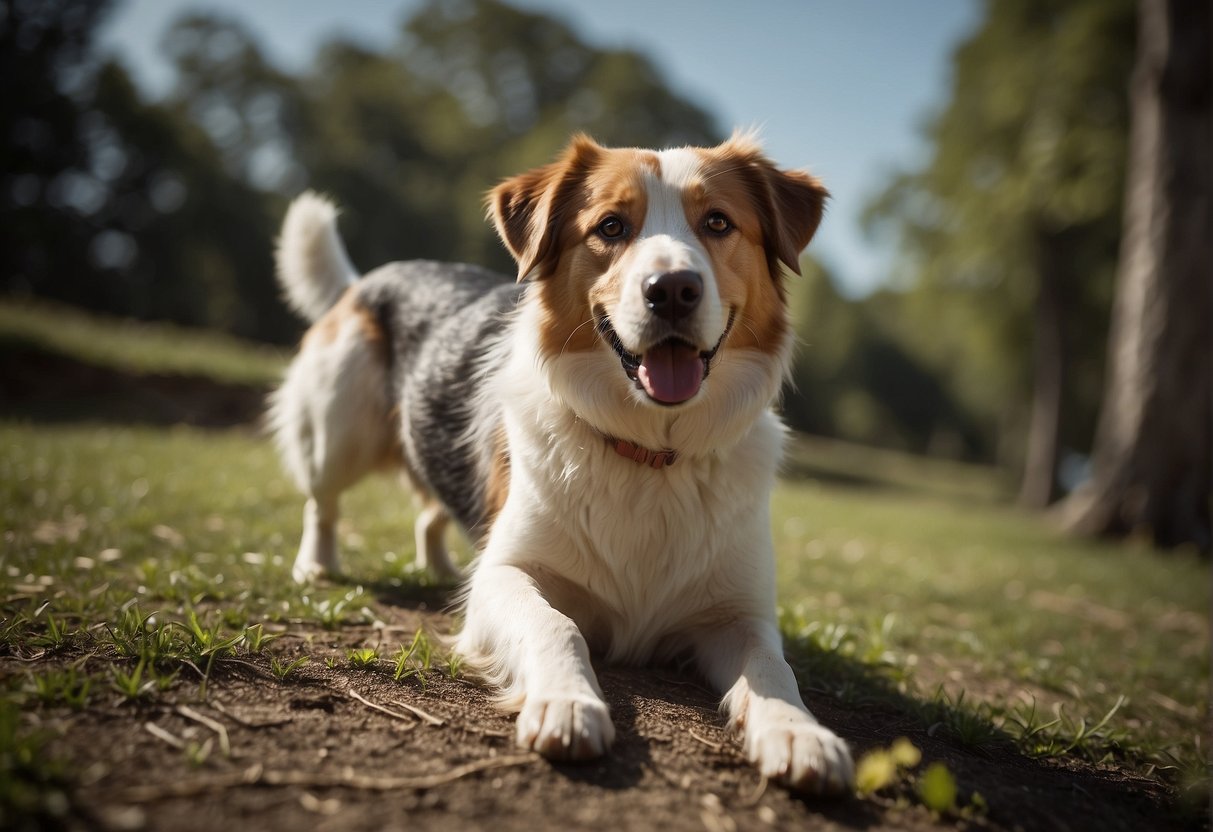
x=1153, y=457
x=1039, y=486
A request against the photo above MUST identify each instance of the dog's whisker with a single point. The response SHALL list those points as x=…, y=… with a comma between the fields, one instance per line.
x=565, y=345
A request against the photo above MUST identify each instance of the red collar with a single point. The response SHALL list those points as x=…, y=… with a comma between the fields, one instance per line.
x=653, y=459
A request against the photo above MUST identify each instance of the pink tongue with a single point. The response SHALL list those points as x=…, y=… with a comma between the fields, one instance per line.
x=671, y=372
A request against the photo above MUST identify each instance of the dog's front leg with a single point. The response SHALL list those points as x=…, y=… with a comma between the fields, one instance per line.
x=539, y=658
x=745, y=661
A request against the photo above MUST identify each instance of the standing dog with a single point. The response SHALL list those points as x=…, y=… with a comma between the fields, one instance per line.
x=602, y=429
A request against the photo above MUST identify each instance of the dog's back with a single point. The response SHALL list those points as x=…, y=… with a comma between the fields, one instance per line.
x=385, y=378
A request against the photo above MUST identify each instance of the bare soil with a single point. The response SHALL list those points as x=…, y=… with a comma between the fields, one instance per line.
x=306, y=753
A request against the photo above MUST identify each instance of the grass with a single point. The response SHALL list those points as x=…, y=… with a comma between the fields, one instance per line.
x=1003, y=627
x=138, y=346
x=169, y=549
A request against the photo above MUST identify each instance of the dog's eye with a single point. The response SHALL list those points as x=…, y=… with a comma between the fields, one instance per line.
x=718, y=223
x=612, y=228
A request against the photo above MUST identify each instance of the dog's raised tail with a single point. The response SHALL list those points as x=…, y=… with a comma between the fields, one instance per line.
x=313, y=267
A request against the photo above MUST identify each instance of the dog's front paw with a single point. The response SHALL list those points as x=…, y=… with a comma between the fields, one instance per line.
x=801, y=755
x=565, y=727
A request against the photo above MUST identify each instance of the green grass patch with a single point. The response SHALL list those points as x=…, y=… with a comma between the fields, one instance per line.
x=997, y=626
x=168, y=551
x=137, y=346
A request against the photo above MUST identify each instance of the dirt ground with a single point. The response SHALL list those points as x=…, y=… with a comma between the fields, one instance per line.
x=311, y=753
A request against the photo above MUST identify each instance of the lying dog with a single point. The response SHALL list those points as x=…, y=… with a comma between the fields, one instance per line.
x=601, y=429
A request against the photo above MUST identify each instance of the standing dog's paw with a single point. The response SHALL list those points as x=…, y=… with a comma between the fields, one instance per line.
x=565, y=728
x=309, y=572
x=801, y=755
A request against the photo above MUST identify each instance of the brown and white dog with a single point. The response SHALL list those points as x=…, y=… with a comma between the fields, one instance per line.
x=601, y=428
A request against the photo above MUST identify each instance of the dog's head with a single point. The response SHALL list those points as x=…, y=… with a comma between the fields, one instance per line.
x=659, y=265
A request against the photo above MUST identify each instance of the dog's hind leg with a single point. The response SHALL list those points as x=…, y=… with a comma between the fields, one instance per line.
x=333, y=424
x=432, y=553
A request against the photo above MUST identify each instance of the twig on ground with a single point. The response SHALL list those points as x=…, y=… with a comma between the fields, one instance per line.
x=256, y=668
x=420, y=714
x=160, y=734
x=487, y=732
x=257, y=775
x=248, y=723
x=715, y=746
x=218, y=727
x=409, y=719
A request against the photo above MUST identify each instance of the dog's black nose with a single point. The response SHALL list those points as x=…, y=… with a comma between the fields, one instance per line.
x=673, y=295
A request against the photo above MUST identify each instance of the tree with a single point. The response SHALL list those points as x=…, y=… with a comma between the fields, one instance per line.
x=1153, y=450
x=1009, y=230
x=167, y=209
x=853, y=380
x=48, y=187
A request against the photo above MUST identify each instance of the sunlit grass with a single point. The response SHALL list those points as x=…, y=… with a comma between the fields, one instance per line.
x=984, y=622
x=1042, y=635
x=139, y=346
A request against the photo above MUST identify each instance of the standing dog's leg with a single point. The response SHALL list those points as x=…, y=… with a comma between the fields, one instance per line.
x=432, y=553
x=332, y=424
x=539, y=659
x=318, y=547
x=745, y=661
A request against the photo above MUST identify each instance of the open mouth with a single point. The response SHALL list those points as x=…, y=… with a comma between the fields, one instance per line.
x=671, y=371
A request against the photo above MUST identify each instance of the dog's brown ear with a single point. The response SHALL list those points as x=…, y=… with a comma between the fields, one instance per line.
x=798, y=202
x=530, y=209
x=790, y=202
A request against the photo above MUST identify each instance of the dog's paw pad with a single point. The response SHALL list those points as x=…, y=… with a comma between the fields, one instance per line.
x=572, y=728
x=803, y=756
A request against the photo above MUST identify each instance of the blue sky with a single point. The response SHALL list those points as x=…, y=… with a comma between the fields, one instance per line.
x=840, y=87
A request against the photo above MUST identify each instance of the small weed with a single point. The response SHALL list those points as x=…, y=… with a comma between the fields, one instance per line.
x=1064, y=735
x=13, y=629
x=255, y=638
x=937, y=788
x=881, y=768
x=331, y=662
x=362, y=658
x=131, y=685
x=973, y=726
x=454, y=665
x=205, y=643
x=282, y=669
x=197, y=753
x=135, y=634
x=415, y=659
x=333, y=611
x=61, y=687
x=55, y=636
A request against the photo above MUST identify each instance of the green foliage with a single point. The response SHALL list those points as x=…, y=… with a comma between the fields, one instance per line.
x=130, y=683
x=937, y=788
x=255, y=638
x=415, y=659
x=1025, y=178
x=67, y=686
x=362, y=658
x=171, y=206
x=880, y=768
x=282, y=669
x=852, y=378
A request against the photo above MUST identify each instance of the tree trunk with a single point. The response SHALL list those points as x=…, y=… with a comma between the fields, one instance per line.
x=1039, y=486
x=1153, y=457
